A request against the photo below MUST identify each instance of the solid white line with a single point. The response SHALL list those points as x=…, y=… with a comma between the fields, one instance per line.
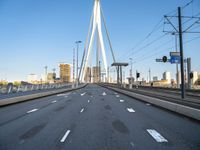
x=33, y=110
x=53, y=101
x=83, y=94
x=82, y=110
x=121, y=101
x=65, y=136
x=131, y=110
x=148, y=104
x=63, y=94
x=156, y=135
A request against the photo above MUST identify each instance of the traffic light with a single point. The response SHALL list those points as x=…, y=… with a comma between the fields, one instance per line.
x=138, y=75
x=191, y=75
x=164, y=59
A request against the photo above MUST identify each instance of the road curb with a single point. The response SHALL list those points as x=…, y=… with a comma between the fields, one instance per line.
x=14, y=100
x=181, y=109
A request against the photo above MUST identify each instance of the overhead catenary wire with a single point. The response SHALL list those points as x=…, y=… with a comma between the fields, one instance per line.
x=155, y=28
x=158, y=52
x=158, y=47
x=174, y=12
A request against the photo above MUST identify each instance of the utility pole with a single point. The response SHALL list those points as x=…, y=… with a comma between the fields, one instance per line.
x=131, y=71
x=177, y=71
x=73, y=65
x=45, y=73
x=77, y=78
x=131, y=74
x=108, y=77
x=188, y=73
x=99, y=71
x=181, y=53
x=180, y=32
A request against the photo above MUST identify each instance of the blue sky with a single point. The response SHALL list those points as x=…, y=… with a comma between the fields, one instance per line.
x=36, y=33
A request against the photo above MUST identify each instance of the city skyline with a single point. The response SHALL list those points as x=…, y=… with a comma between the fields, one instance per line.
x=45, y=34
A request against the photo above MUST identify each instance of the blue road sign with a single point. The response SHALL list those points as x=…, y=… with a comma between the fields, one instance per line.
x=175, y=59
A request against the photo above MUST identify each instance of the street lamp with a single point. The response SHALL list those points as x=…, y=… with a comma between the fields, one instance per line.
x=131, y=74
x=77, y=43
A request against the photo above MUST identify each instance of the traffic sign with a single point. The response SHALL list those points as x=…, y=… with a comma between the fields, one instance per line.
x=161, y=60
x=175, y=57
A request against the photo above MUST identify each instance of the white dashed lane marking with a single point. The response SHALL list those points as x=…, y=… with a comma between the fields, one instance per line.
x=157, y=136
x=88, y=101
x=121, y=101
x=65, y=136
x=104, y=94
x=83, y=94
x=82, y=110
x=31, y=111
x=53, y=101
x=131, y=110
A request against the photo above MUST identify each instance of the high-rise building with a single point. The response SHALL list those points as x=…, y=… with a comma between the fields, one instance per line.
x=87, y=77
x=65, y=72
x=51, y=77
x=195, y=77
x=95, y=74
x=155, y=78
x=167, y=77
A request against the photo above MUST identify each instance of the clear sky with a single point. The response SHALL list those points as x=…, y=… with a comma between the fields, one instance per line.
x=38, y=33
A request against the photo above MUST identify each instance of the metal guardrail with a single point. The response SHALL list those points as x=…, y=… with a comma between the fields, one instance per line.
x=8, y=89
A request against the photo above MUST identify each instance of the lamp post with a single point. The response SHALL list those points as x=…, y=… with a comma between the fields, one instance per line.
x=77, y=80
x=131, y=74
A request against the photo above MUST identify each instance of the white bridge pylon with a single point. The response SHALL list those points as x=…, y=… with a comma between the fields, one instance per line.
x=95, y=29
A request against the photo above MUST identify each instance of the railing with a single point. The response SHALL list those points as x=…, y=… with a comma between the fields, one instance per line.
x=8, y=89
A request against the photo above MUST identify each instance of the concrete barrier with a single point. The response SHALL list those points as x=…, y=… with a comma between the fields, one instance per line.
x=181, y=109
x=19, y=99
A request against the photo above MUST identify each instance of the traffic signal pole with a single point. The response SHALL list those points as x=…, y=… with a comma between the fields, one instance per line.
x=181, y=54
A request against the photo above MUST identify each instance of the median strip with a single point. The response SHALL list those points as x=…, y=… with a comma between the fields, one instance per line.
x=178, y=108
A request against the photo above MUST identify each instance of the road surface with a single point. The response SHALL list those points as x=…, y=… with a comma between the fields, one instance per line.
x=94, y=118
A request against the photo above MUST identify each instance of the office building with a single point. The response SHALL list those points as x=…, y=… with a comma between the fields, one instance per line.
x=65, y=73
x=195, y=77
x=96, y=74
x=51, y=77
x=87, y=77
x=155, y=78
x=167, y=77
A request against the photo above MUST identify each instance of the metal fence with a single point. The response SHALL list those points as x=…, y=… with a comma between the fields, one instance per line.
x=7, y=89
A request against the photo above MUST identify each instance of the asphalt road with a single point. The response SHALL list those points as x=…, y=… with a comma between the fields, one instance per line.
x=94, y=118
